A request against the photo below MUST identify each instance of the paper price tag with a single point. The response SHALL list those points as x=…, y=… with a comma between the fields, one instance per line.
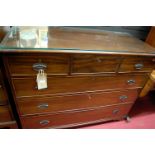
x=41, y=80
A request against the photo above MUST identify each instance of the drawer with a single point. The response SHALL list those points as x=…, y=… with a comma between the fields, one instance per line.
x=66, y=85
x=70, y=119
x=86, y=64
x=26, y=65
x=5, y=114
x=137, y=64
x=44, y=105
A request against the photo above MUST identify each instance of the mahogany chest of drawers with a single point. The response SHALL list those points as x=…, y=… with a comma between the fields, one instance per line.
x=92, y=76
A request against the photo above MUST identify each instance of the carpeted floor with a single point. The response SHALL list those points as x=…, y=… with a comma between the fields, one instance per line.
x=142, y=116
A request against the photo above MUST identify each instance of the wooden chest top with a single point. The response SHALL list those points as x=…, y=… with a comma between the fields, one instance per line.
x=72, y=40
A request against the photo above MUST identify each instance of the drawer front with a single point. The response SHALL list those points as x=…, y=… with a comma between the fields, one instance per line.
x=80, y=117
x=5, y=114
x=26, y=65
x=62, y=85
x=86, y=64
x=137, y=64
x=44, y=105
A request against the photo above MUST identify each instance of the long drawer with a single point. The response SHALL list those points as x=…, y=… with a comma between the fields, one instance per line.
x=63, y=84
x=5, y=114
x=43, y=105
x=70, y=119
x=24, y=65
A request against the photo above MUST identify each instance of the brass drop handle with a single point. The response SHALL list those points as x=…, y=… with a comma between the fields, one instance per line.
x=123, y=97
x=116, y=111
x=43, y=106
x=44, y=122
x=39, y=66
x=131, y=82
x=139, y=66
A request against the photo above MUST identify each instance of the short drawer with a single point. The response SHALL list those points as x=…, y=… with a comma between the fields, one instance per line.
x=67, y=85
x=5, y=114
x=43, y=105
x=88, y=64
x=71, y=119
x=137, y=64
x=24, y=65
